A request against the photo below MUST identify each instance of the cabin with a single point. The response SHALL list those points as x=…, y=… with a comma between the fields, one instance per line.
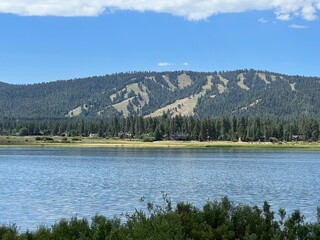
x=296, y=138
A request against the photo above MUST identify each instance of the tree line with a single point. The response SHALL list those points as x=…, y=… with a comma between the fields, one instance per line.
x=177, y=128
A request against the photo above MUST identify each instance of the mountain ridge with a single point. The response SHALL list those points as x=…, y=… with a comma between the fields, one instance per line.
x=203, y=94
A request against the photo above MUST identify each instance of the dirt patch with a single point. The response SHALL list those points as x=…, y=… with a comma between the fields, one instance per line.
x=122, y=107
x=263, y=77
x=76, y=111
x=142, y=90
x=221, y=88
x=224, y=80
x=184, y=80
x=293, y=87
x=241, y=84
x=151, y=78
x=184, y=106
x=171, y=86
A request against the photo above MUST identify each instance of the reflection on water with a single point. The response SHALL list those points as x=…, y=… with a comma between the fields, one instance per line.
x=43, y=185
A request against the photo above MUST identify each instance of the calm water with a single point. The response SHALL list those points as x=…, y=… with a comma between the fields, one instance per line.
x=43, y=185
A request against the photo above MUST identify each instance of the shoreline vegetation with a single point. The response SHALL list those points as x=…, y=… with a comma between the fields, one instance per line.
x=57, y=141
x=163, y=132
x=215, y=220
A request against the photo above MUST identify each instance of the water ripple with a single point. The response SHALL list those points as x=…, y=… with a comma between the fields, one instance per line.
x=42, y=185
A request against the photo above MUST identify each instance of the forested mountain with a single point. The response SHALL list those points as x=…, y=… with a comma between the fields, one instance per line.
x=2, y=84
x=200, y=94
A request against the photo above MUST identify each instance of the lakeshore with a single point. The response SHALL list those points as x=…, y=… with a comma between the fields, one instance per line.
x=57, y=141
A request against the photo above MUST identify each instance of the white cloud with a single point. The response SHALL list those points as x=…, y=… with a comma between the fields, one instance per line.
x=262, y=20
x=164, y=64
x=298, y=26
x=190, y=9
x=185, y=64
x=283, y=17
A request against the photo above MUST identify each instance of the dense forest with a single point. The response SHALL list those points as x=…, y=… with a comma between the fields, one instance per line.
x=201, y=94
x=176, y=128
x=216, y=220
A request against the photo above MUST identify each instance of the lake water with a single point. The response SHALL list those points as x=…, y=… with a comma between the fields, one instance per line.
x=43, y=185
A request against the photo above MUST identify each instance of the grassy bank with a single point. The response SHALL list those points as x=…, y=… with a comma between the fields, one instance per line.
x=136, y=143
x=216, y=220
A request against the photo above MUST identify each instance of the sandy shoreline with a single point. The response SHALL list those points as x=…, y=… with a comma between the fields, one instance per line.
x=97, y=142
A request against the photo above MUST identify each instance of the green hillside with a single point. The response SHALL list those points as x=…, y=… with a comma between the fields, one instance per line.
x=241, y=92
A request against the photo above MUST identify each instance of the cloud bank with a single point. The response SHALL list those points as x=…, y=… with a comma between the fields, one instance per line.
x=190, y=9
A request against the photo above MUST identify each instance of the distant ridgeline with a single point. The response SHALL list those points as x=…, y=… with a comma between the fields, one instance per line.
x=201, y=94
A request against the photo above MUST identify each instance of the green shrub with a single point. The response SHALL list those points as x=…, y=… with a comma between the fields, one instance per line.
x=72, y=229
x=65, y=140
x=75, y=139
x=148, y=139
x=273, y=140
x=9, y=232
x=217, y=220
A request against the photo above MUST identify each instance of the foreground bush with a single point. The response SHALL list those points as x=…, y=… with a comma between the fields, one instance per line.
x=216, y=220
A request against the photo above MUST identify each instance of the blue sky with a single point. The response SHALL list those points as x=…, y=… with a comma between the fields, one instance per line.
x=42, y=47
